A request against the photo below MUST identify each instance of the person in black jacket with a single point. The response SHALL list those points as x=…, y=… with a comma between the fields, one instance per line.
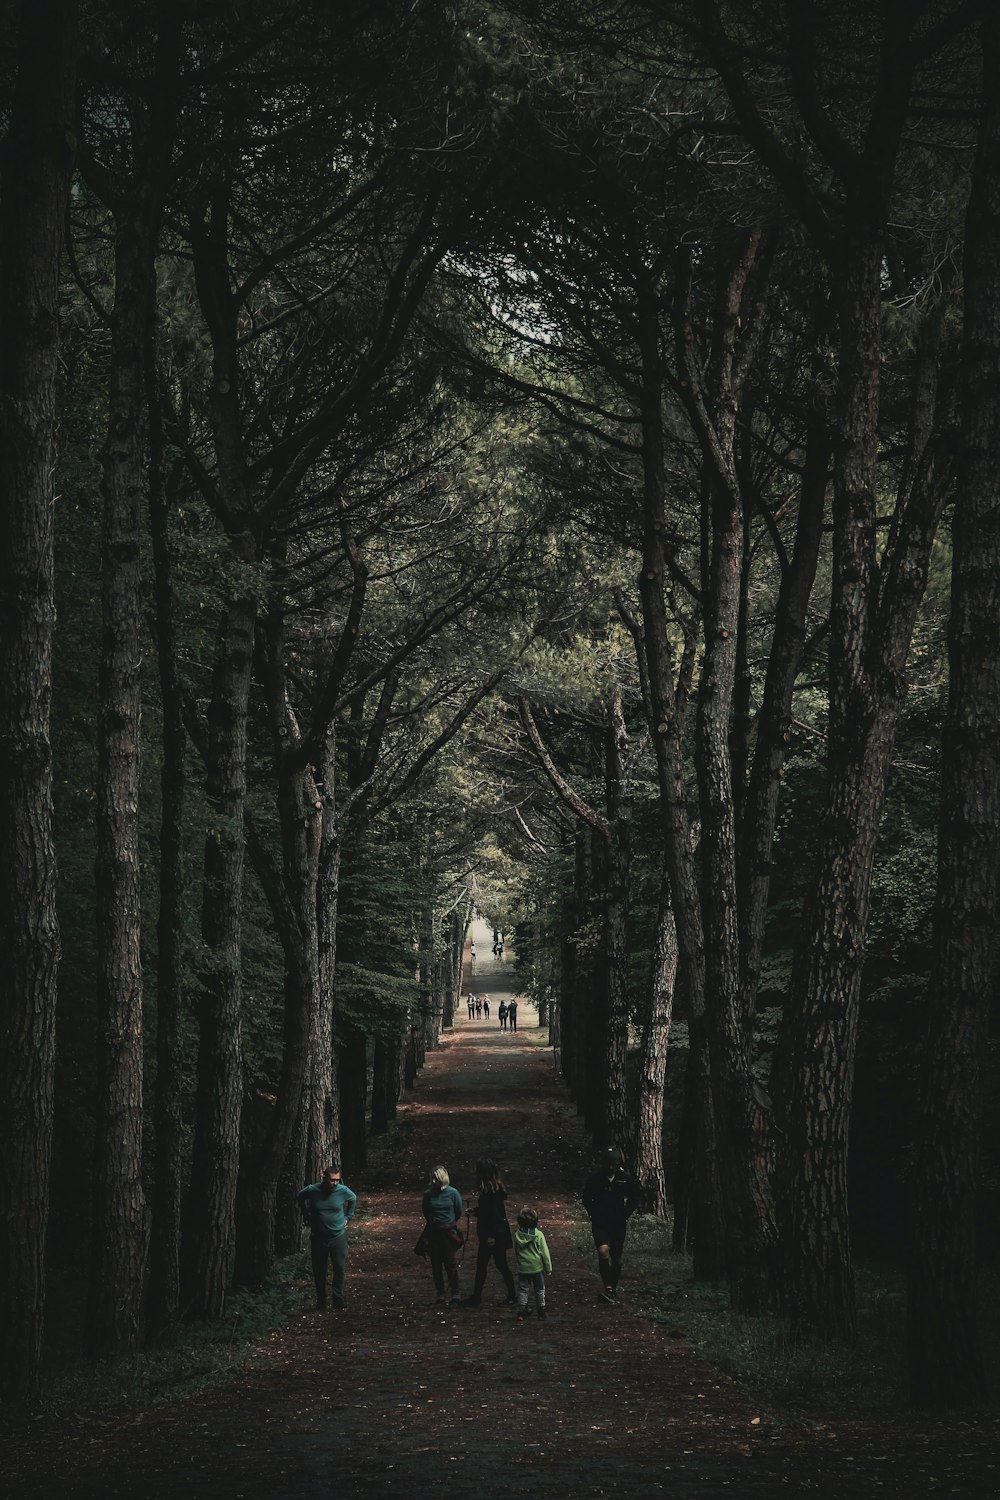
x=492, y=1231
x=610, y=1196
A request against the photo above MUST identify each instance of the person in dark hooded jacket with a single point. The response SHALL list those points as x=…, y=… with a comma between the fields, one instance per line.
x=492, y=1231
x=610, y=1196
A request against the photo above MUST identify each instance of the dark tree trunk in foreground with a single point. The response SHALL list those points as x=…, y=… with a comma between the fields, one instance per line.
x=714, y=400
x=699, y=1204
x=216, y=1152
x=292, y=896
x=774, y=721
x=168, y=1173
x=35, y=161
x=120, y=1224
x=874, y=606
x=945, y=1339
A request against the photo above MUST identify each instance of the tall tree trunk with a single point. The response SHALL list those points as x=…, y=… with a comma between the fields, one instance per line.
x=621, y=1126
x=258, y=1187
x=572, y=918
x=751, y=1225
x=655, y=1038
x=35, y=164
x=219, y=1097
x=119, y=1239
x=946, y=1360
x=394, y=1082
x=872, y=615
x=120, y=1219
x=266, y=1190
x=411, y=1065
x=324, y=1095
x=165, y=1218
x=450, y=970
x=667, y=737
x=713, y=405
x=774, y=720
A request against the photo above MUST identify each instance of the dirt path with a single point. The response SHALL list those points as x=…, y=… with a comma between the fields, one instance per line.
x=395, y=1396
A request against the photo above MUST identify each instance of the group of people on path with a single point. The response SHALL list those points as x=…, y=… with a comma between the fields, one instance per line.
x=507, y=1015
x=442, y=1234
x=610, y=1197
x=479, y=1006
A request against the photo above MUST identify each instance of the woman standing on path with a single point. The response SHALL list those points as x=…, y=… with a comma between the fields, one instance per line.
x=442, y=1206
x=492, y=1231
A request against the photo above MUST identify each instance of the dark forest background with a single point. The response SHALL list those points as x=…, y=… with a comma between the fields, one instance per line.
x=528, y=460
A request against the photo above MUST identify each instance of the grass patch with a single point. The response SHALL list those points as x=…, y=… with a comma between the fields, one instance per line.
x=196, y=1356
x=806, y=1380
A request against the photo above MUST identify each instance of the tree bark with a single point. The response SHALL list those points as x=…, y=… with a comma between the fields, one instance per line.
x=774, y=721
x=120, y=1225
x=164, y=1295
x=324, y=1117
x=120, y=1219
x=946, y=1357
x=655, y=1039
x=873, y=610
x=293, y=901
x=216, y=1150
x=35, y=164
x=606, y=1100
x=621, y=1128
x=667, y=735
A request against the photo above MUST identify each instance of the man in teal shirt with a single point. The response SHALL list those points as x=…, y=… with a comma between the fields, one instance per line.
x=327, y=1207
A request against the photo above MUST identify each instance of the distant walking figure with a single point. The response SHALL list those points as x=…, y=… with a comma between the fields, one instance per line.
x=512, y=1015
x=442, y=1208
x=486, y=1006
x=502, y=1013
x=479, y=1006
x=328, y=1207
x=472, y=1005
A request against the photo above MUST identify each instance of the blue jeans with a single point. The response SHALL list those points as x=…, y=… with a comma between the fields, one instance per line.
x=525, y=1282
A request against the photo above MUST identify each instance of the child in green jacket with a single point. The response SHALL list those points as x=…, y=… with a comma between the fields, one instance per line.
x=533, y=1260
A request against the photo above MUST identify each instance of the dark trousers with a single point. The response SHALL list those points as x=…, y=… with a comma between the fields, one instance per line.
x=512, y=1020
x=444, y=1262
x=498, y=1255
x=333, y=1252
x=610, y=1269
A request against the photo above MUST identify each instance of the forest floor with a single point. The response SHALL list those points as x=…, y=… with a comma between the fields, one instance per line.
x=395, y=1396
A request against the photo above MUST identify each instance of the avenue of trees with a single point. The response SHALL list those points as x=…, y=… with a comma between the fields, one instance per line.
x=534, y=459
